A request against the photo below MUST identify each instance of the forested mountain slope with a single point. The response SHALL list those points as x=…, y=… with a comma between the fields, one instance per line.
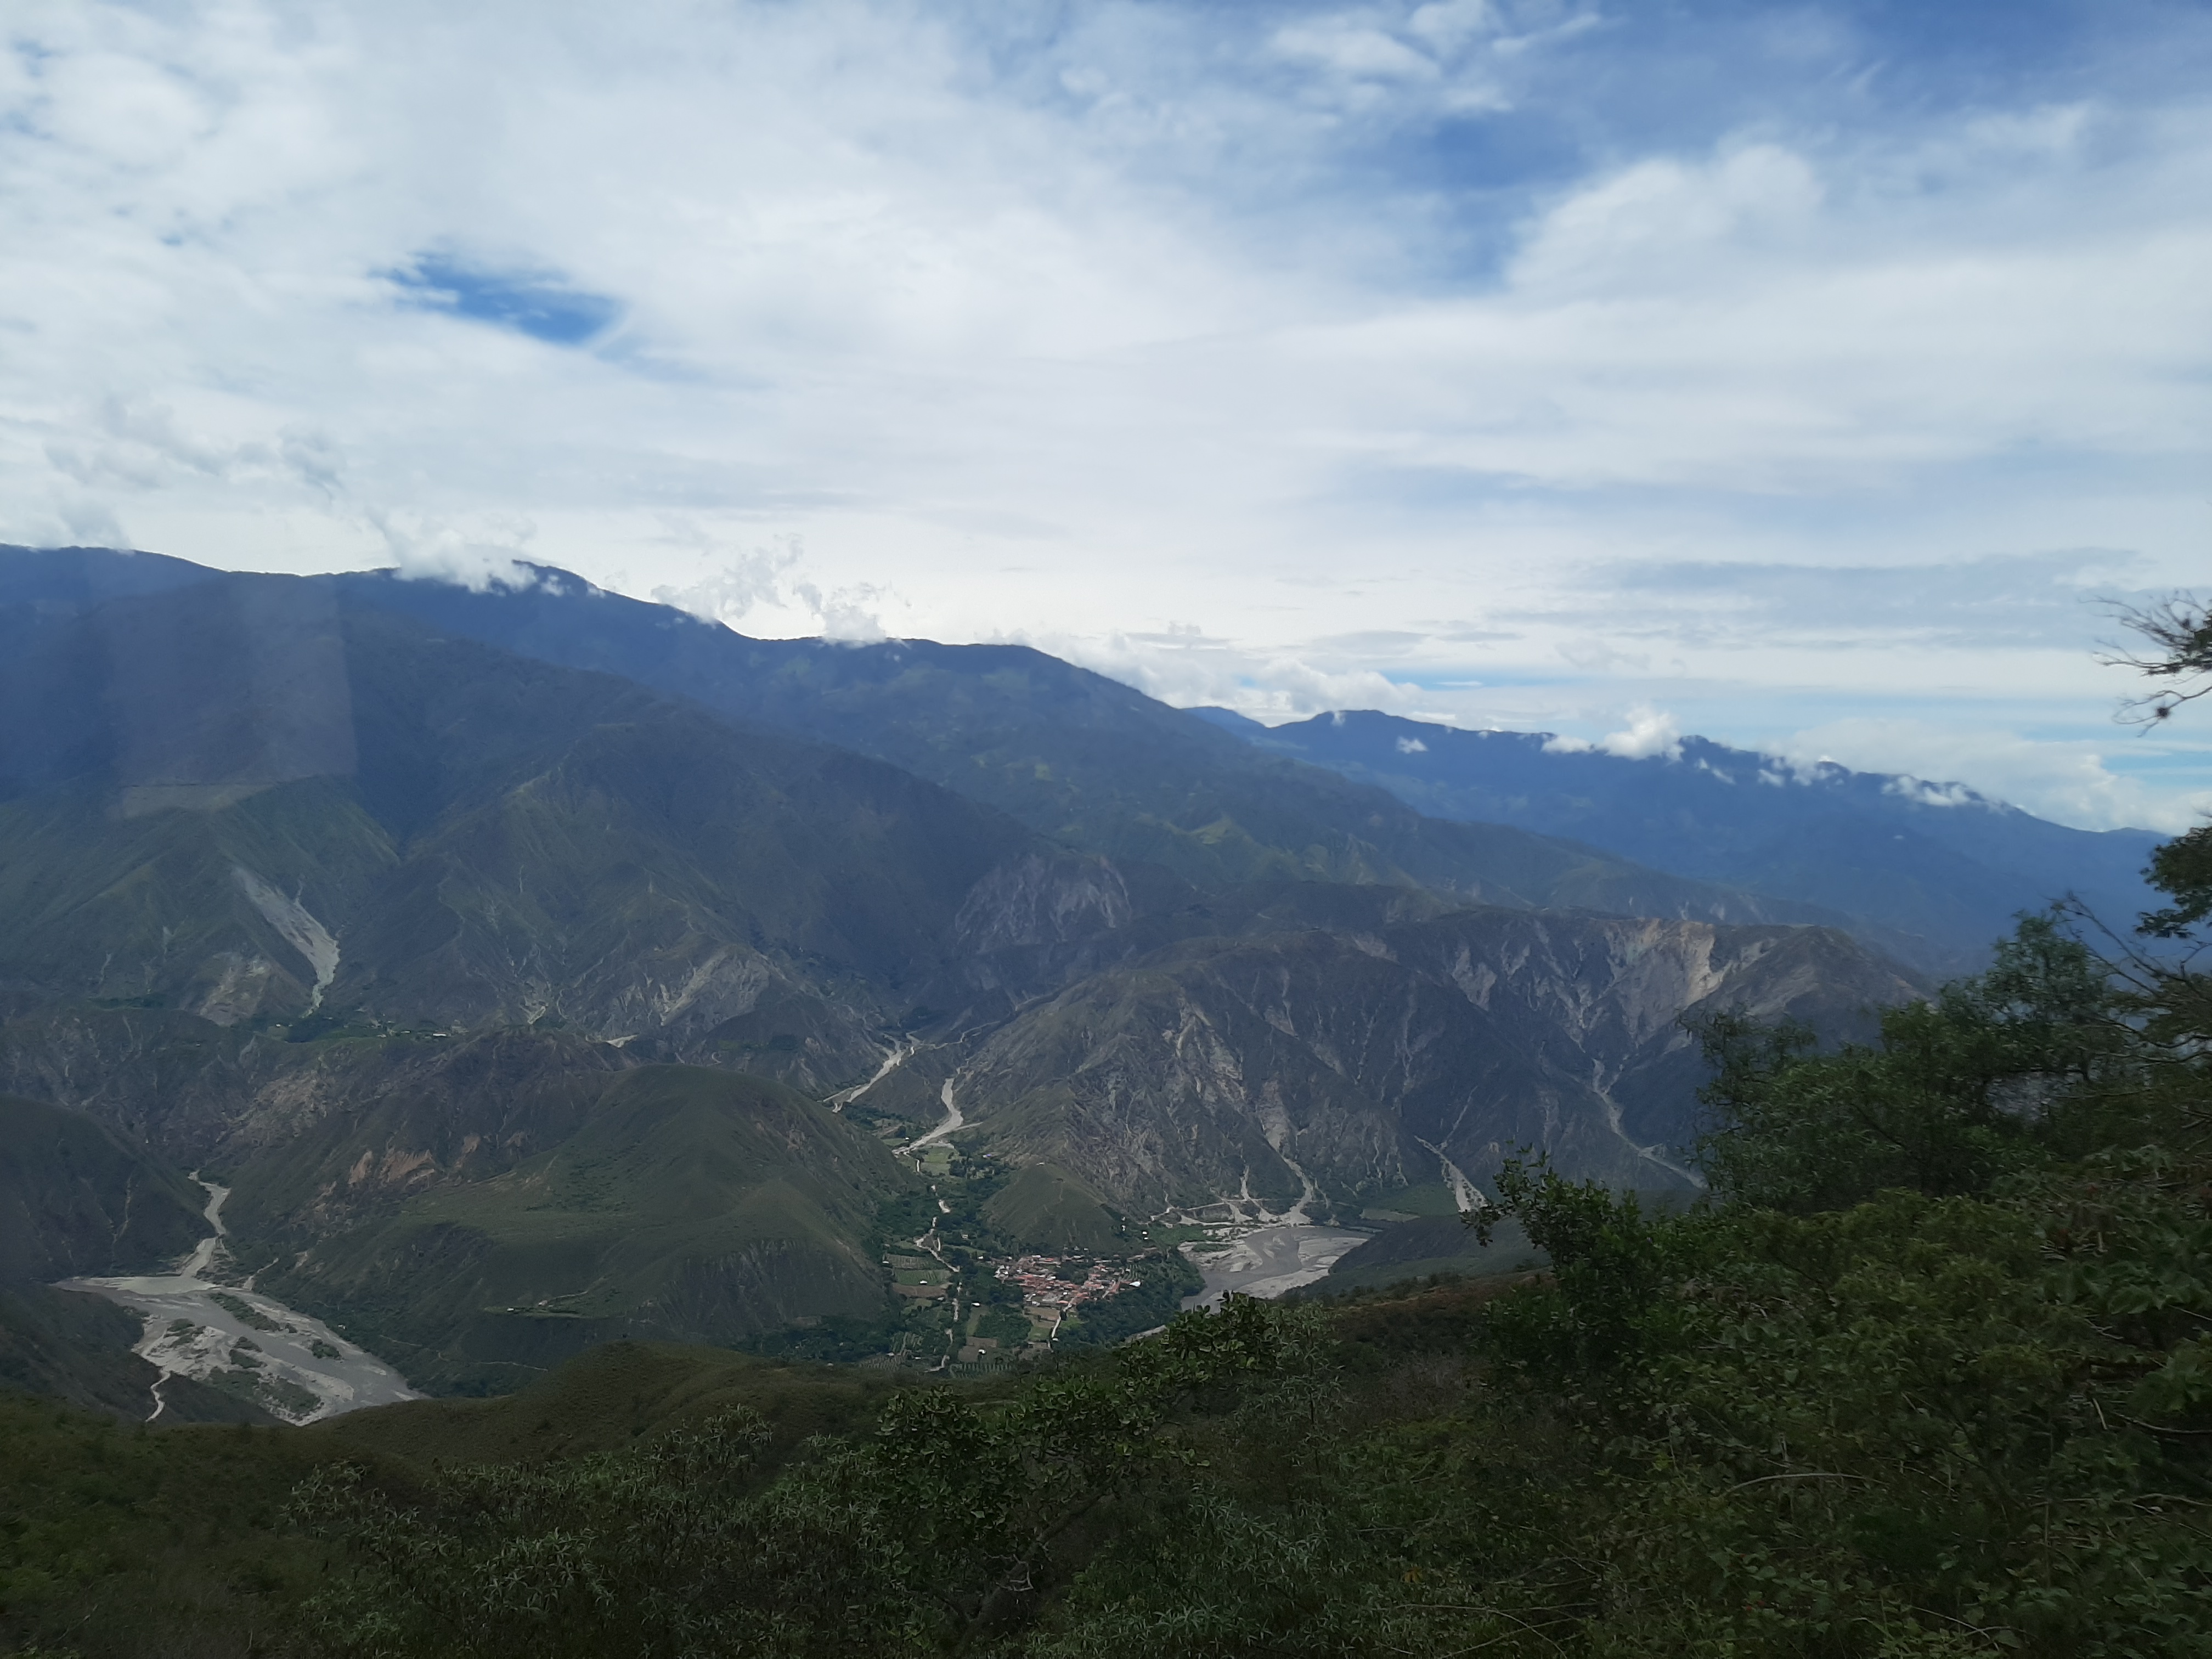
x=437, y=834
x=1083, y=759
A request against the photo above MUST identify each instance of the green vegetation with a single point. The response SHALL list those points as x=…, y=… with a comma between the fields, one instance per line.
x=1927, y=1376
x=690, y=1202
x=116, y=1539
x=1045, y=1208
x=1926, y=1379
x=1165, y=1277
x=1004, y=1326
x=1431, y=1248
x=122, y=1540
x=243, y=1311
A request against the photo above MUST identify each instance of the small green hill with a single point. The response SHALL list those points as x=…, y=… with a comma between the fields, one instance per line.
x=1045, y=1208
x=690, y=1203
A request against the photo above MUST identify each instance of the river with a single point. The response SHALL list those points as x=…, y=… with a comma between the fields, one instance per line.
x=295, y=1367
x=1269, y=1260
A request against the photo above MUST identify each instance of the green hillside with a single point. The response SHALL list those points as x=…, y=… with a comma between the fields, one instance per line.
x=688, y=1202
x=150, y=907
x=1924, y=1377
x=176, y=1541
x=76, y=1200
x=1043, y=1207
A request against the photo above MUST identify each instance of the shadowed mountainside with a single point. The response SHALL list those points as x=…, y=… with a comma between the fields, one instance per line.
x=503, y=842
x=1090, y=762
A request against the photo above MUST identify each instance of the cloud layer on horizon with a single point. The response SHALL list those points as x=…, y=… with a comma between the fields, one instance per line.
x=1777, y=370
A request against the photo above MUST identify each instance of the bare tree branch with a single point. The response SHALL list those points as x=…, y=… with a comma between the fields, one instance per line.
x=2178, y=630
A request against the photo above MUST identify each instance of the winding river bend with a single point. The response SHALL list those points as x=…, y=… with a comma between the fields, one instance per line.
x=245, y=1343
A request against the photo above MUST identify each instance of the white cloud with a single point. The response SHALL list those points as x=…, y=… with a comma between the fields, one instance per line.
x=2073, y=781
x=1349, y=49
x=1450, y=24
x=1650, y=734
x=1238, y=314
x=477, y=557
x=765, y=592
x=1190, y=670
x=757, y=579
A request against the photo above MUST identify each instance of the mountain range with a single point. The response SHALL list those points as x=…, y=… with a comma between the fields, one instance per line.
x=539, y=966
x=1939, y=868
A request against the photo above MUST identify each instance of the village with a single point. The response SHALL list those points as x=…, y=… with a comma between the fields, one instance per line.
x=988, y=1330
x=1045, y=1284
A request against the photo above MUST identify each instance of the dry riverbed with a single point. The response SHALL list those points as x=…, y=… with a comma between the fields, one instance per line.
x=244, y=1342
x=1265, y=1260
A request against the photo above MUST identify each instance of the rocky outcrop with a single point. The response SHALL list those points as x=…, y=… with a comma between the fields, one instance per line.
x=1367, y=1060
x=1033, y=900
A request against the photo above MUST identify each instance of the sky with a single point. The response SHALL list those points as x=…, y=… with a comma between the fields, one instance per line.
x=1813, y=377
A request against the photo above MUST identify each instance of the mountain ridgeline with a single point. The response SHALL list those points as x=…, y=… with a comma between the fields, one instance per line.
x=539, y=967
x=1933, y=872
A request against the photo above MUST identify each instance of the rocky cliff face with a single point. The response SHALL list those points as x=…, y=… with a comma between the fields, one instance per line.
x=1367, y=1060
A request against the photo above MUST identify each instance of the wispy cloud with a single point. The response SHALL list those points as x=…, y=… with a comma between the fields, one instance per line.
x=2008, y=600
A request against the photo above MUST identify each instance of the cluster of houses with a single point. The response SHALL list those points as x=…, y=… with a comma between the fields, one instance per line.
x=1042, y=1285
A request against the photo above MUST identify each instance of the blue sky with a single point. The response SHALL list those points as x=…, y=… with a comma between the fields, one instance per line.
x=1810, y=376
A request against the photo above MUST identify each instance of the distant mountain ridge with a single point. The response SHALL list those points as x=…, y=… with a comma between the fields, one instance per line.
x=494, y=842
x=1085, y=760
x=1939, y=865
